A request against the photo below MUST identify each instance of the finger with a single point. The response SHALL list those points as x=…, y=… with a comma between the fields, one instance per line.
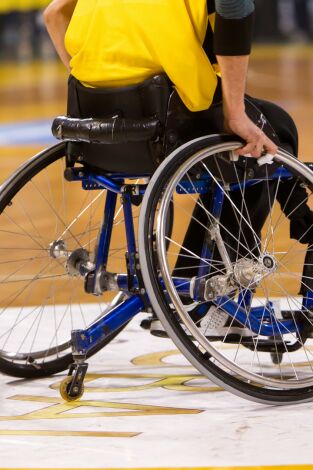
x=246, y=150
x=258, y=149
x=270, y=147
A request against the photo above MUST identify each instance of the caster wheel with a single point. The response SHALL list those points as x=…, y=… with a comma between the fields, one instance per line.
x=65, y=389
x=277, y=358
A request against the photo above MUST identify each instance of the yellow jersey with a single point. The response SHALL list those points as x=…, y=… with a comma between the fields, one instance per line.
x=123, y=42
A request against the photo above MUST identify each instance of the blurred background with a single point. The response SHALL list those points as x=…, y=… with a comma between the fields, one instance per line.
x=33, y=81
x=23, y=36
x=22, y=33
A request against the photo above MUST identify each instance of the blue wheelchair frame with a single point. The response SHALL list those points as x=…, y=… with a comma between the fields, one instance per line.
x=261, y=320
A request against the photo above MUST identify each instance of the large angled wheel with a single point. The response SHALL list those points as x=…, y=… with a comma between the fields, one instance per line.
x=254, y=256
x=43, y=220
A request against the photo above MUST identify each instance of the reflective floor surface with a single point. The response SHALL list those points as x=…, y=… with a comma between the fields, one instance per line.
x=145, y=407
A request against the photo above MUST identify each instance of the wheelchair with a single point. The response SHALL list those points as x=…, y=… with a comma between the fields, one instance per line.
x=237, y=301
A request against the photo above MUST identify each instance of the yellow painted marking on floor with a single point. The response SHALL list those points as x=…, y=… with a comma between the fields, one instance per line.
x=157, y=358
x=51, y=433
x=62, y=410
x=253, y=467
x=177, y=382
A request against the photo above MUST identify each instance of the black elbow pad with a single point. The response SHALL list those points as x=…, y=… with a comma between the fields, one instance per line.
x=233, y=36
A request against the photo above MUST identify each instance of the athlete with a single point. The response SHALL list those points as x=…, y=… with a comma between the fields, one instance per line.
x=106, y=43
x=200, y=45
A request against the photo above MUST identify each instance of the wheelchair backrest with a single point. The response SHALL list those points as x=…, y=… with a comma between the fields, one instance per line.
x=145, y=100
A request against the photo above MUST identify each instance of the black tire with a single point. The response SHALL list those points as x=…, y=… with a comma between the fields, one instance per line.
x=29, y=204
x=162, y=299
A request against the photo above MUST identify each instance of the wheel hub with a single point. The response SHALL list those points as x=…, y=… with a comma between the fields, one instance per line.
x=249, y=273
x=77, y=261
x=269, y=262
x=57, y=249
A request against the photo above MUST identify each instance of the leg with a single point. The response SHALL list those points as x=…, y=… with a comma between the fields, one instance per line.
x=287, y=133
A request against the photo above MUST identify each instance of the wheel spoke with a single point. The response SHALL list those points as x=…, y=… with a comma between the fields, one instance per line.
x=40, y=302
x=265, y=265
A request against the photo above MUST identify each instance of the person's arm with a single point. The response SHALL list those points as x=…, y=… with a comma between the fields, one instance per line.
x=57, y=17
x=232, y=46
x=234, y=73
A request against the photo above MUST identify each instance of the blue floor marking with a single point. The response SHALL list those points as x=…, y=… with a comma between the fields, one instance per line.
x=27, y=133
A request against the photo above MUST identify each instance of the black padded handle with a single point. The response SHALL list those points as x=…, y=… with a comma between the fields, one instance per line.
x=105, y=131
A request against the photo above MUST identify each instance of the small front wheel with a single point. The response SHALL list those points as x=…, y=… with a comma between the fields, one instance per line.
x=65, y=390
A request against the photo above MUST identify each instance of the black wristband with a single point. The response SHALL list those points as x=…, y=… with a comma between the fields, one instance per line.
x=233, y=36
x=211, y=7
